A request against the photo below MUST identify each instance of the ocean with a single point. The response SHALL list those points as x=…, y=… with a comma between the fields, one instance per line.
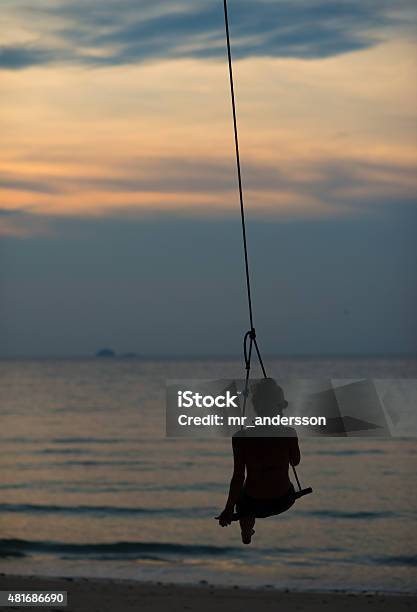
x=90, y=486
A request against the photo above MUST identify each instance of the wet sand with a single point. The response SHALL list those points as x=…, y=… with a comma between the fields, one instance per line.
x=105, y=595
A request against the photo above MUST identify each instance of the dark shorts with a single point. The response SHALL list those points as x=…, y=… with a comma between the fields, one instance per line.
x=261, y=508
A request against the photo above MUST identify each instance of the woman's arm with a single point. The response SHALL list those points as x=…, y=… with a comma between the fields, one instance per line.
x=236, y=483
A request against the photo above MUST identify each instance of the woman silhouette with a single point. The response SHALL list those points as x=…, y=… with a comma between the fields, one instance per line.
x=260, y=485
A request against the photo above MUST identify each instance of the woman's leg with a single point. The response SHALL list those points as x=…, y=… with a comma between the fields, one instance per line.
x=247, y=523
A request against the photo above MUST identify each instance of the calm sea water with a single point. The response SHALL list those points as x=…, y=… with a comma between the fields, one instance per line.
x=90, y=486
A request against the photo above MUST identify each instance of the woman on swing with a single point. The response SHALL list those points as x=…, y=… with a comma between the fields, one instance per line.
x=265, y=454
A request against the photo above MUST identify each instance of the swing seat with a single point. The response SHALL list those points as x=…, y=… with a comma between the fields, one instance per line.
x=302, y=492
x=269, y=507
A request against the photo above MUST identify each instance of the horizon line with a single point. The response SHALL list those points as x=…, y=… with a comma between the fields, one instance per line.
x=131, y=356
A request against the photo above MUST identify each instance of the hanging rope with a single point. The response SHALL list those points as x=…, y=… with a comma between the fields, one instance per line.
x=239, y=174
x=250, y=336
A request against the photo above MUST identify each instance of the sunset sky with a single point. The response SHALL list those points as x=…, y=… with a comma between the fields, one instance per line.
x=119, y=218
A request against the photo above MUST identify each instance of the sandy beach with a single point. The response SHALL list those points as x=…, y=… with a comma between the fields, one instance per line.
x=100, y=595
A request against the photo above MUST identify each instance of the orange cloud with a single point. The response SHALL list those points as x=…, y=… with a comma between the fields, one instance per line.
x=317, y=136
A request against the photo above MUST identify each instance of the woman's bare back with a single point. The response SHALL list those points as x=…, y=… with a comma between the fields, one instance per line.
x=267, y=461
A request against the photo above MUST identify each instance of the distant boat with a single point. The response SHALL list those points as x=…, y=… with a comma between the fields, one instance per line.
x=106, y=352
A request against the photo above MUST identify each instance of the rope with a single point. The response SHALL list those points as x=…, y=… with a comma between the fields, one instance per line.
x=296, y=477
x=239, y=174
x=251, y=334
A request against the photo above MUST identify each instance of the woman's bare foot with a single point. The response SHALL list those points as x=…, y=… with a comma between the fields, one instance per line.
x=247, y=536
x=247, y=523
